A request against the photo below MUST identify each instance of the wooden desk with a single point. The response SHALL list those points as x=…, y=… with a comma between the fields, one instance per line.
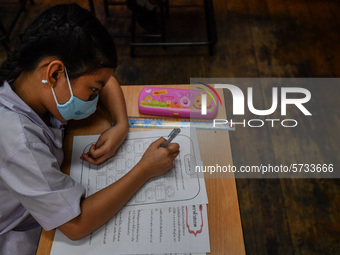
x=225, y=227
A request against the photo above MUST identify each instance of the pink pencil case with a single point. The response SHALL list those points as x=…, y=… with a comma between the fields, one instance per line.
x=183, y=103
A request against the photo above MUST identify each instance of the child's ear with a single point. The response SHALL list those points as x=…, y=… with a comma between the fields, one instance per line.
x=55, y=70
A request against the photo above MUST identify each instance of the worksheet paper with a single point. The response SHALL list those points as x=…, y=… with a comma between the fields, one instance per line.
x=181, y=186
x=167, y=215
x=181, y=229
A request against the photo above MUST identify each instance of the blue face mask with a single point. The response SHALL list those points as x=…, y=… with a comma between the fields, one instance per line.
x=75, y=108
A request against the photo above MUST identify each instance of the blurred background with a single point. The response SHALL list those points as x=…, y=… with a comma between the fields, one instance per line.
x=255, y=38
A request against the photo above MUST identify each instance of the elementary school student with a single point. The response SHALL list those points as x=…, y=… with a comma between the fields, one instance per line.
x=58, y=70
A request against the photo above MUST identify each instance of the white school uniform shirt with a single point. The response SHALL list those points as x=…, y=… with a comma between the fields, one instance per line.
x=33, y=190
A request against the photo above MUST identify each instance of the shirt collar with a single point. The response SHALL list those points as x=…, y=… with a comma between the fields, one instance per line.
x=12, y=101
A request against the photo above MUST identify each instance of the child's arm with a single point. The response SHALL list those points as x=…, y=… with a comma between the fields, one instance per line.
x=113, y=99
x=100, y=207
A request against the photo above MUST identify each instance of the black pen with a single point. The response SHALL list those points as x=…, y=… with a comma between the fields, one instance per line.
x=171, y=136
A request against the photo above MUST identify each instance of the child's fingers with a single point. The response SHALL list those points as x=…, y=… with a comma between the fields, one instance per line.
x=91, y=160
x=101, y=140
x=173, y=147
x=175, y=154
x=159, y=142
x=96, y=152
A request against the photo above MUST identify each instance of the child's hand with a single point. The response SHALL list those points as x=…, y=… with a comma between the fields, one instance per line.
x=106, y=146
x=158, y=160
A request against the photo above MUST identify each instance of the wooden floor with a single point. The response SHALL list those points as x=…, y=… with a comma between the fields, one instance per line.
x=257, y=38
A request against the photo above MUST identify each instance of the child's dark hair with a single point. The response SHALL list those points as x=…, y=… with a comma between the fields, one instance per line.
x=67, y=32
